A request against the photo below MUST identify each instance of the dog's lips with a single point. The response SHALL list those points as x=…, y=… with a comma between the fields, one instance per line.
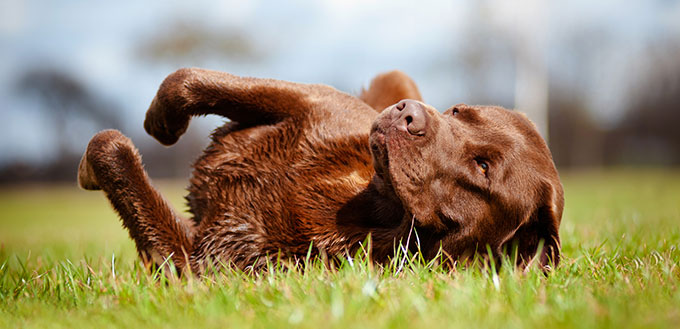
x=390, y=155
x=379, y=138
x=386, y=140
x=378, y=144
x=387, y=146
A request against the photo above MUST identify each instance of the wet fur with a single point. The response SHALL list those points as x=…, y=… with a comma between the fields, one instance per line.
x=306, y=164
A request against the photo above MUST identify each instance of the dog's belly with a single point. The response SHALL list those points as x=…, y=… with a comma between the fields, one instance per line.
x=264, y=189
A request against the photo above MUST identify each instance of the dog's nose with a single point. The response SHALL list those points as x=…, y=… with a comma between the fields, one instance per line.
x=410, y=116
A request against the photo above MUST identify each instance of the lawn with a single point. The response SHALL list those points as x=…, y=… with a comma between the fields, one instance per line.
x=66, y=262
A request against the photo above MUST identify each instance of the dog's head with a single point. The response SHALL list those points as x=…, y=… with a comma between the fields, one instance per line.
x=476, y=176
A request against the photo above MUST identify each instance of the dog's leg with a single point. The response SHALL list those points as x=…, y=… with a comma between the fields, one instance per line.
x=389, y=88
x=248, y=101
x=112, y=163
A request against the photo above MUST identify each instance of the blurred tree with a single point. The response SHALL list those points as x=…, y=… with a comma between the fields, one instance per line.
x=486, y=58
x=180, y=43
x=68, y=104
x=72, y=111
x=649, y=133
x=575, y=139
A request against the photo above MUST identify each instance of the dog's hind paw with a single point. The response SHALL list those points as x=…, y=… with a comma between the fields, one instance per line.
x=86, y=176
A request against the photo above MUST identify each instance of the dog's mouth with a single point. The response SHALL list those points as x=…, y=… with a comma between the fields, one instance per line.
x=386, y=137
x=398, y=162
x=392, y=154
x=378, y=144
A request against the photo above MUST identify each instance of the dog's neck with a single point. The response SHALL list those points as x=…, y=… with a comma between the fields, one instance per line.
x=389, y=212
x=376, y=206
x=378, y=211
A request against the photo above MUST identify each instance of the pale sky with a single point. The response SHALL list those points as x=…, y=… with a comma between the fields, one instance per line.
x=339, y=42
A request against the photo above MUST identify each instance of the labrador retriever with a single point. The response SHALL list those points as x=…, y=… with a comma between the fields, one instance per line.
x=303, y=165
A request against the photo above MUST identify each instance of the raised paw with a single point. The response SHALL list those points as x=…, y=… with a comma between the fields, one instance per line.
x=389, y=88
x=166, y=119
x=100, y=156
x=86, y=178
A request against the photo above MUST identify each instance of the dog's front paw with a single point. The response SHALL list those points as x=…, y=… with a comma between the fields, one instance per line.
x=166, y=119
x=165, y=123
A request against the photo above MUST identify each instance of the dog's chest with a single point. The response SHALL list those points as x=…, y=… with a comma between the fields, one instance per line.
x=319, y=168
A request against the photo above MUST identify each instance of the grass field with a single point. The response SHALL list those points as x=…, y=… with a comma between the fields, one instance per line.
x=66, y=262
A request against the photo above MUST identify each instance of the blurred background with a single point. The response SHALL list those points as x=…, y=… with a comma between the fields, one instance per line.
x=600, y=78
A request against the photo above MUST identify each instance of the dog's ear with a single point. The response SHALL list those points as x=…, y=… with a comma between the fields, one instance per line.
x=538, y=239
x=388, y=88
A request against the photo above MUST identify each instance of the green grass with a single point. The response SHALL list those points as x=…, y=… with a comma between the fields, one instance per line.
x=66, y=262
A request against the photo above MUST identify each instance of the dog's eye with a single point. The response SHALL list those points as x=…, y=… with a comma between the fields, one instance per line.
x=483, y=166
x=453, y=111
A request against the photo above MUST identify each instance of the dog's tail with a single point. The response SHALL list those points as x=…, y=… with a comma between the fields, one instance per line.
x=112, y=163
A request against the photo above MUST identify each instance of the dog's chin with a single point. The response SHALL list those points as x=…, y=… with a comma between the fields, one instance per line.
x=384, y=141
x=391, y=156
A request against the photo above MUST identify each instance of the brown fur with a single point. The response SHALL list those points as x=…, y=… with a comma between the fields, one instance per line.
x=388, y=88
x=301, y=164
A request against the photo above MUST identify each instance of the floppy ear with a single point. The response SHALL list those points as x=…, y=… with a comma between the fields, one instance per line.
x=538, y=239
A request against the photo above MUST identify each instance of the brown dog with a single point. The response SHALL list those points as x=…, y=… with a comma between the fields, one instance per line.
x=306, y=164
